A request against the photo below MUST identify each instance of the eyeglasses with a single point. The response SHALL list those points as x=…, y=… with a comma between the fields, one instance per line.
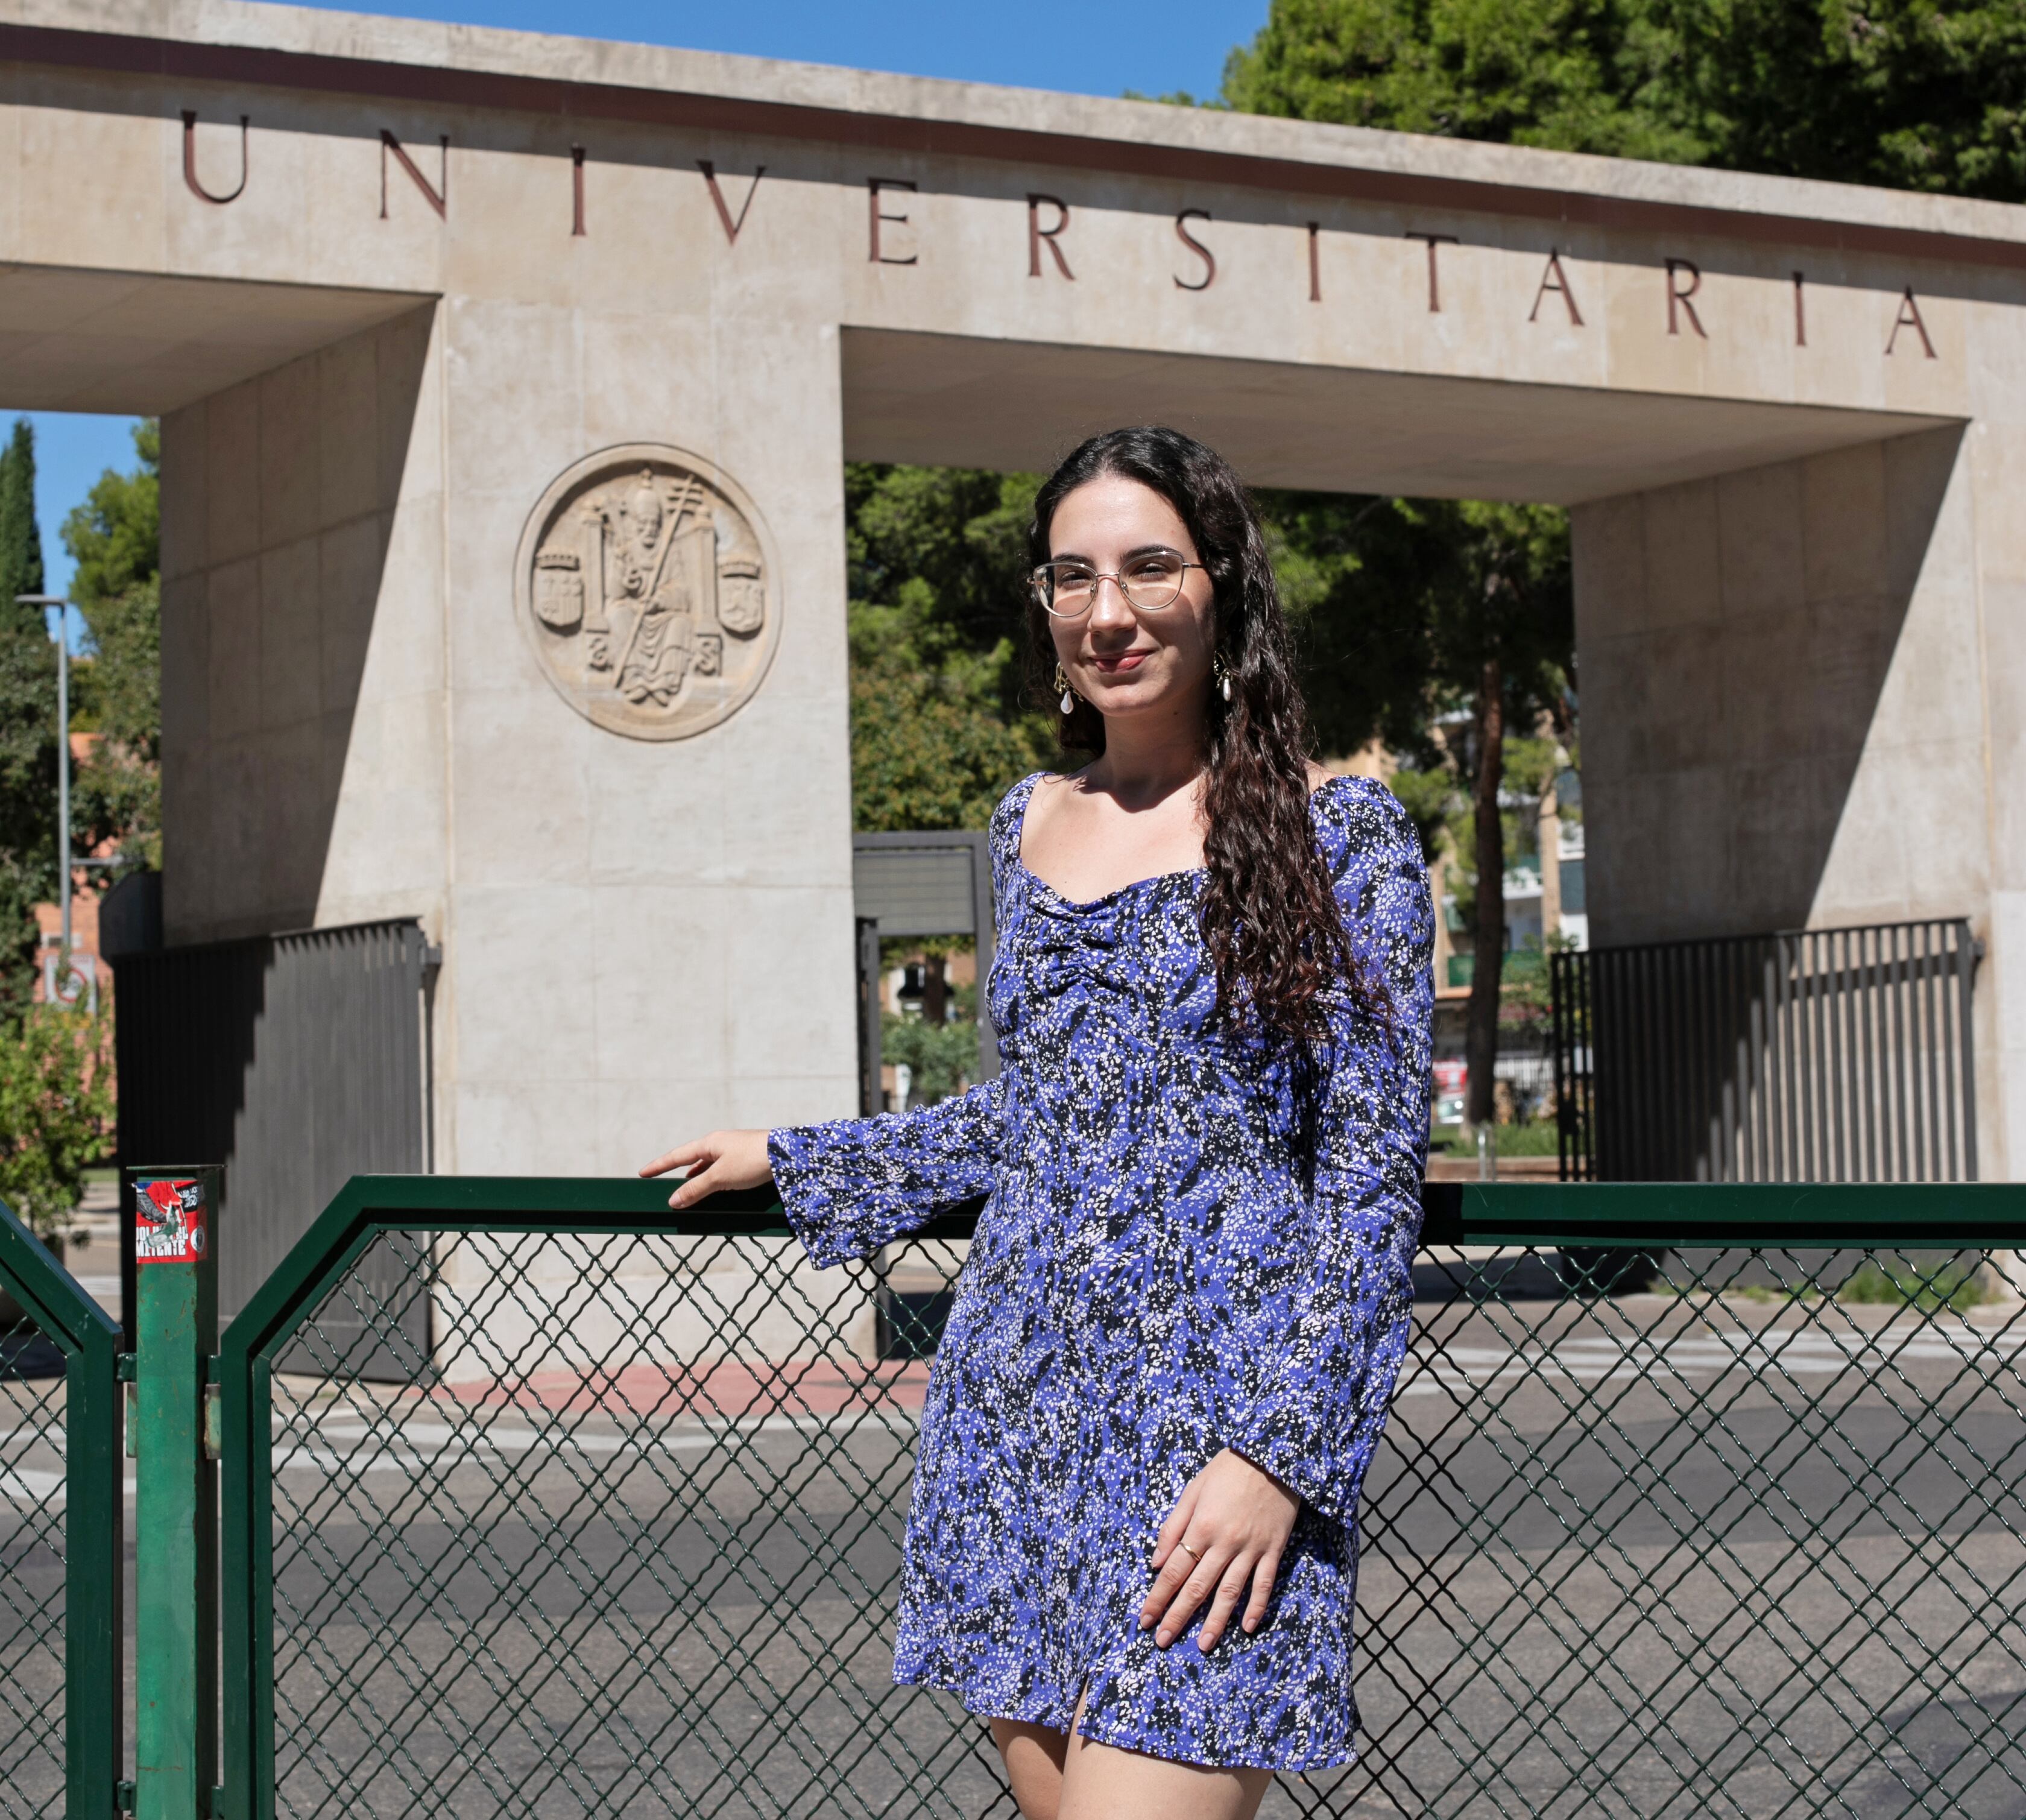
x=1149, y=583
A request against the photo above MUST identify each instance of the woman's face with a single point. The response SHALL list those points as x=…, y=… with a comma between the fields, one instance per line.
x=1121, y=659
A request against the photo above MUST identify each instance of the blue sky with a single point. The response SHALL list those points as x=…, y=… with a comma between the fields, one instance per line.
x=1087, y=46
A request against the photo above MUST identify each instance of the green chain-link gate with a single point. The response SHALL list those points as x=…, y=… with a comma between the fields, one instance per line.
x=60, y=1537
x=1742, y=1536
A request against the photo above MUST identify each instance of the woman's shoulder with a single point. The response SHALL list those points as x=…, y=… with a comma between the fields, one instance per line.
x=1013, y=805
x=1361, y=817
x=1002, y=831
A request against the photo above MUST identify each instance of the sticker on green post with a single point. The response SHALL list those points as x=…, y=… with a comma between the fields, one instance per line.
x=170, y=1221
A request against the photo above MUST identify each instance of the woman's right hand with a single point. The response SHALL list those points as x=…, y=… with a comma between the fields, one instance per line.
x=725, y=1159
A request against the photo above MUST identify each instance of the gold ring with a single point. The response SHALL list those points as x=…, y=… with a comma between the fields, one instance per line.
x=1195, y=1554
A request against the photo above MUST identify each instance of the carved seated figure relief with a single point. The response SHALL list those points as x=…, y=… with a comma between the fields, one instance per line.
x=647, y=590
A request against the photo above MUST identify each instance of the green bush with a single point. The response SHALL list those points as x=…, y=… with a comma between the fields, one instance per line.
x=1535, y=1137
x=1950, y=1284
x=941, y=1056
x=56, y=1111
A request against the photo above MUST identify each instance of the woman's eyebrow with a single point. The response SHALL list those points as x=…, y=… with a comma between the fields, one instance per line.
x=1143, y=550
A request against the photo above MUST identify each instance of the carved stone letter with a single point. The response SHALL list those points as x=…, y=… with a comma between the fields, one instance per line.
x=731, y=223
x=189, y=160
x=438, y=199
x=1677, y=299
x=1196, y=247
x=1554, y=279
x=1434, y=288
x=1909, y=318
x=873, y=186
x=1038, y=236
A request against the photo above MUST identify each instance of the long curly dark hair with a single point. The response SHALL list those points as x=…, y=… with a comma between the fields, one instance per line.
x=1275, y=934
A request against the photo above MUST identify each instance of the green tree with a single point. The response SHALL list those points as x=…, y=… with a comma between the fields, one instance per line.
x=1916, y=94
x=115, y=539
x=938, y=729
x=56, y=1111
x=1445, y=628
x=28, y=728
x=1572, y=74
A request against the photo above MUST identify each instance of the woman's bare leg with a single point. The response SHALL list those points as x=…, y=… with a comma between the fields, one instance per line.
x=1102, y=1782
x=1033, y=1756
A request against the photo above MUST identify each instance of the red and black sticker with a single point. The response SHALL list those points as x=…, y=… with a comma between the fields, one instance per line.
x=171, y=1225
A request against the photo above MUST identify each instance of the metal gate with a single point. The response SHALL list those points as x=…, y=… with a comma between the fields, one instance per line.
x=934, y=881
x=296, y=1060
x=632, y=1545
x=60, y=1747
x=1810, y=1055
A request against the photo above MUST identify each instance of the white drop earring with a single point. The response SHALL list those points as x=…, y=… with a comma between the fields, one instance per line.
x=1068, y=694
x=1223, y=676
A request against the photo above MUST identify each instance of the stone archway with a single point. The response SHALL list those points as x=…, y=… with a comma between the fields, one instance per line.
x=1783, y=412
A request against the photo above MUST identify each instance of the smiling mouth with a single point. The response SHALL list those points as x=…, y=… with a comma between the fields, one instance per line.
x=1124, y=662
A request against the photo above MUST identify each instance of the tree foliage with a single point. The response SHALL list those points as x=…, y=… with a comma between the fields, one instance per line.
x=28, y=728
x=939, y=727
x=56, y=1111
x=115, y=539
x=1444, y=628
x=1913, y=95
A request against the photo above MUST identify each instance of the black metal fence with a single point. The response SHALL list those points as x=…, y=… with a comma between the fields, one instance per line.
x=296, y=1060
x=1818, y=1055
x=1746, y=1539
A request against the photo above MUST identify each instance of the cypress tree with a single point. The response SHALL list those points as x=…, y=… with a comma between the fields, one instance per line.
x=27, y=727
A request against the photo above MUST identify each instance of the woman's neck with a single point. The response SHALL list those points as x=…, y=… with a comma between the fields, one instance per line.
x=1146, y=758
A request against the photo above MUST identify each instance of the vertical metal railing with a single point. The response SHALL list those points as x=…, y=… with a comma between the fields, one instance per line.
x=61, y=1528
x=1569, y=1015
x=1813, y=1054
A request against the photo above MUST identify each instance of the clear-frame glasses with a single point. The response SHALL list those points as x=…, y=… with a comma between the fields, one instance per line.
x=1149, y=582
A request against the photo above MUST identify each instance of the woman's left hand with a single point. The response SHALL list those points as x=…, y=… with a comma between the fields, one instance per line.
x=1237, y=1519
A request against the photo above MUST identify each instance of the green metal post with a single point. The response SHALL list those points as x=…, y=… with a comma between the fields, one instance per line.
x=175, y=1503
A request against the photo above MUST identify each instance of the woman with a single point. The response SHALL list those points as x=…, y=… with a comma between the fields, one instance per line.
x=1170, y=1350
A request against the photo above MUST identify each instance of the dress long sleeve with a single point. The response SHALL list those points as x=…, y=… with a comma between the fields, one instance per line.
x=850, y=1185
x=1323, y=1367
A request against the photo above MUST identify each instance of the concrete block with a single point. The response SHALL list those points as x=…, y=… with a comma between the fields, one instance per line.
x=1844, y=500
x=232, y=473
x=292, y=431
x=291, y=634
x=1684, y=555
x=233, y=682
x=348, y=460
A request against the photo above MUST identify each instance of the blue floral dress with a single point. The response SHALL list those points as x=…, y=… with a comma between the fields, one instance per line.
x=1150, y=1284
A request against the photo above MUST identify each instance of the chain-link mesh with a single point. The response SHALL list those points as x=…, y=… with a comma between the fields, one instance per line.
x=32, y=1554
x=1709, y=1533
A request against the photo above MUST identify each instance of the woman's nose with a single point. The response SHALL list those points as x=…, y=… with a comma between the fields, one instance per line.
x=1109, y=606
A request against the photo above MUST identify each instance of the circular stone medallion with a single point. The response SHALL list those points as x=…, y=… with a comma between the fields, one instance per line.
x=648, y=587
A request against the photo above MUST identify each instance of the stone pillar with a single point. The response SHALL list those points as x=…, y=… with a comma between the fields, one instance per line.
x=302, y=769
x=1783, y=721
x=649, y=936
x=366, y=714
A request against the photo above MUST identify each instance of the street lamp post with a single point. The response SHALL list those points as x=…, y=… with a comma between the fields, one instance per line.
x=63, y=750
